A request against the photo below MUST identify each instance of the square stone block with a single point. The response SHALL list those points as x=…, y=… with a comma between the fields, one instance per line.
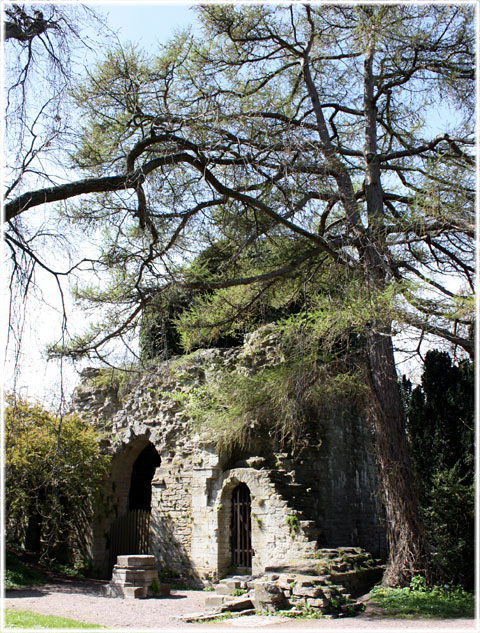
x=214, y=601
x=136, y=560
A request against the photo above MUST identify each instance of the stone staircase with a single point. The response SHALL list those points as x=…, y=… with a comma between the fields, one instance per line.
x=230, y=588
x=295, y=494
x=323, y=584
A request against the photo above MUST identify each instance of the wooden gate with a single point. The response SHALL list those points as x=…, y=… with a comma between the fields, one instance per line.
x=129, y=534
x=241, y=527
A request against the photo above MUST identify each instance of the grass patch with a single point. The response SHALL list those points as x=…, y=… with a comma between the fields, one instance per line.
x=18, y=575
x=29, y=620
x=422, y=602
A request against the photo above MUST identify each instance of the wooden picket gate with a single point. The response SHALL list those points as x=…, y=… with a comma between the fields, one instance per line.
x=129, y=534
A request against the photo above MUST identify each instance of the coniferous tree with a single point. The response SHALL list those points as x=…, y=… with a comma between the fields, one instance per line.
x=307, y=128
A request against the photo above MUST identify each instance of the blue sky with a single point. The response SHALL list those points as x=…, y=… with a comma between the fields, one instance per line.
x=147, y=24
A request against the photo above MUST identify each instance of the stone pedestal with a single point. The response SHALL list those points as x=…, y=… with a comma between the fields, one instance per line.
x=133, y=575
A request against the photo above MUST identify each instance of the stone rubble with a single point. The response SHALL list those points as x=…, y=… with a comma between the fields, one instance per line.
x=297, y=587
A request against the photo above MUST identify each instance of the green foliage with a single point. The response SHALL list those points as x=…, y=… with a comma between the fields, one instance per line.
x=158, y=337
x=18, y=574
x=166, y=572
x=238, y=592
x=302, y=382
x=420, y=601
x=301, y=613
x=110, y=379
x=292, y=521
x=440, y=425
x=154, y=588
x=29, y=620
x=53, y=478
x=287, y=401
x=440, y=417
x=450, y=520
x=214, y=316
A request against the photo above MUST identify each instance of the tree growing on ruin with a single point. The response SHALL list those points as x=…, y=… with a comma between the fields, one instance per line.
x=309, y=138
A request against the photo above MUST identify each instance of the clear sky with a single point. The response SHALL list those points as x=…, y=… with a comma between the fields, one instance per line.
x=147, y=24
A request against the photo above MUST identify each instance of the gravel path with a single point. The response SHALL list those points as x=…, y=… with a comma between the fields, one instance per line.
x=82, y=600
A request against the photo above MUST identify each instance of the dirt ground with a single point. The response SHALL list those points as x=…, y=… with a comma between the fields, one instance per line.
x=82, y=600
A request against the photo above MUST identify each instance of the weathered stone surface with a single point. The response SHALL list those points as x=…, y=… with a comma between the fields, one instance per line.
x=330, y=487
x=362, y=580
x=133, y=581
x=307, y=592
x=137, y=561
x=227, y=586
x=238, y=604
x=163, y=591
x=214, y=601
x=117, y=590
x=134, y=576
x=268, y=595
x=317, y=603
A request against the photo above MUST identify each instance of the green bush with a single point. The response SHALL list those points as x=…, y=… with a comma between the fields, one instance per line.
x=450, y=520
x=53, y=478
x=440, y=421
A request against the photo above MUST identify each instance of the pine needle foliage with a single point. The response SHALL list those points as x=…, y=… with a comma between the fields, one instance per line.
x=284, y=402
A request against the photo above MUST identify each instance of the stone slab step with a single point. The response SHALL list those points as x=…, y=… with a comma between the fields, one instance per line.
x=226, y=587
x=136, y=560
x=214, y=601
x=122, y=591
x=135, y=576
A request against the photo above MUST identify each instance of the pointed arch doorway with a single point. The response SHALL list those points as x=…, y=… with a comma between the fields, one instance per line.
x=241, y=527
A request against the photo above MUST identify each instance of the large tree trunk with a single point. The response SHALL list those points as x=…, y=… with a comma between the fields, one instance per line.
x=407, y=547
x=405, y=533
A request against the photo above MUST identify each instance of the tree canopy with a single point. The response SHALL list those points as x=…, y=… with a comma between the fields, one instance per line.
x=310, y=141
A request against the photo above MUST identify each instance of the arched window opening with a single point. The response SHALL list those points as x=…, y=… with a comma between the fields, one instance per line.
x=140, y=494
x=241, y=527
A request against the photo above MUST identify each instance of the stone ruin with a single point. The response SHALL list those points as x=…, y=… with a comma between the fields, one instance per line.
x=207, y=515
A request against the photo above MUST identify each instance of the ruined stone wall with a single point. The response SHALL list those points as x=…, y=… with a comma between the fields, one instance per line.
x=329, y=487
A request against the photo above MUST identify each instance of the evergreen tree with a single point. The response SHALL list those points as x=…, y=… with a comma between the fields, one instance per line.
x=440, y=416
x=305, y=127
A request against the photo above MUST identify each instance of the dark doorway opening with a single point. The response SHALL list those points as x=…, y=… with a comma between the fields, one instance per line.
x=140, y=494
x=241, y=527
x=130, y=532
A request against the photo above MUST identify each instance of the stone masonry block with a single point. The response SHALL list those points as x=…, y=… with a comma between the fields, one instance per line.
x=317, y=603
x=140, y=561
x=227, y=586
x=214, y=601
x=308, y=592
x=268, y=595
x=135, y=576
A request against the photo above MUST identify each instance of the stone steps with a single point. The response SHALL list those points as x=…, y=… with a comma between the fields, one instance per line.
x=133, y=576
x=284, y=590
x=284, y=479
